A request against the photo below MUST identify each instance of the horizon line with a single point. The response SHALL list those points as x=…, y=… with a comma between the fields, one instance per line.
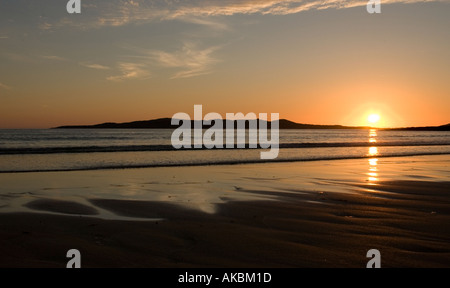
x=84, y=126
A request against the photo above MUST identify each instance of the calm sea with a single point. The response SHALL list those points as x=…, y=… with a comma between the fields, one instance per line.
x=65, y=150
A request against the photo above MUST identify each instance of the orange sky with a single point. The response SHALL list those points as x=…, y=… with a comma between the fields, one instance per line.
x=310, y=65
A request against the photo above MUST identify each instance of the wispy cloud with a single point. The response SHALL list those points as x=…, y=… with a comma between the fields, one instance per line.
x=277, y=7
x=53, y=57
x=4, y=86
x=205, y=21
x=95, y=66
x=46, y=26
x=191, y=60
x=4, y=37
x=131, y=71
x=123, y=12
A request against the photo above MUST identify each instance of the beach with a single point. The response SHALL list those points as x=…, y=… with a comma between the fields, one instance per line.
x=299, y=214
x=225, y=134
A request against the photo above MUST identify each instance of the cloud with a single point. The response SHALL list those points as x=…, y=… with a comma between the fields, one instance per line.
x=115, y=13
x=204, y=21
x=119, y=13
x=275, y=7
x=4, y=37
x=190, y=60
x=131, y=71
x=53, y=57
x=94, y=66
x=4, y=86
x=45, y=26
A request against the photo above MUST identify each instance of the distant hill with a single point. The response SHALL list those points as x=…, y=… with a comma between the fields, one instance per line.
x=286, y=124
x=427, y=128
x=165, y=123
x=162, y=123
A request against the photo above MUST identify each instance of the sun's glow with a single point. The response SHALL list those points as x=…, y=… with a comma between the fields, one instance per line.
x=373, y=118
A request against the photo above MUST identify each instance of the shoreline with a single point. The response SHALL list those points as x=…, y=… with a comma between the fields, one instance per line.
x=302, y=214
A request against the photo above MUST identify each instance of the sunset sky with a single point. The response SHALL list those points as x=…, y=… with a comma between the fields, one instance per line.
x=311, y=61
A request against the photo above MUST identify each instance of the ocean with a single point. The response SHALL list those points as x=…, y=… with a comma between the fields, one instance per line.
x=93, y=149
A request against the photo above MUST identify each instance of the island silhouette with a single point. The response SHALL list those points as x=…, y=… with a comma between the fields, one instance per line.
x=165, y=123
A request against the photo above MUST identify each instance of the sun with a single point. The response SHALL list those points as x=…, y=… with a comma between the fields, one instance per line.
x=373, y=118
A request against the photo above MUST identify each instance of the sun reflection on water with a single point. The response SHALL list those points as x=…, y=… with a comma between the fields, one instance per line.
x=373, y=151
x=372, y=136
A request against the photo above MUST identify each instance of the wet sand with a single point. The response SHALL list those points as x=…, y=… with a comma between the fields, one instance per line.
x=256, y=216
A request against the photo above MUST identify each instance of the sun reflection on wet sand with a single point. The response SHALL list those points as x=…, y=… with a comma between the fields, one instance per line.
x=373, y=162
x=373, y=171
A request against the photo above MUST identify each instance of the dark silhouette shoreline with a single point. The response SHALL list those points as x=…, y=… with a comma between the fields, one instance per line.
x=165, y=123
